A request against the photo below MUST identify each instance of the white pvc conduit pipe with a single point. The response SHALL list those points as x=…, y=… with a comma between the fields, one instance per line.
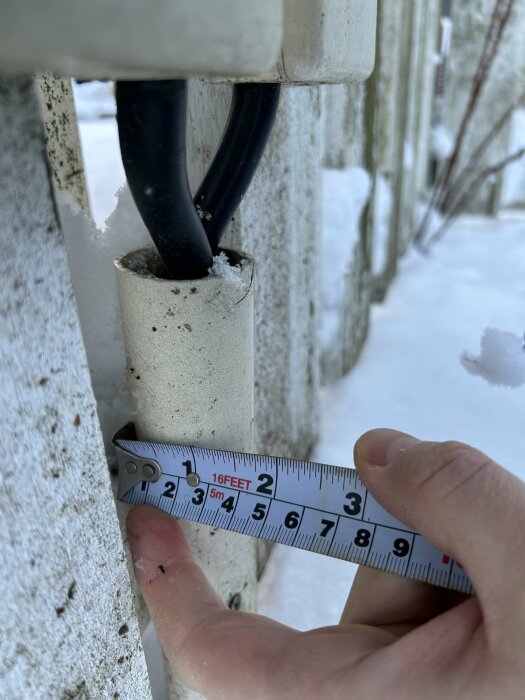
x=189, y=348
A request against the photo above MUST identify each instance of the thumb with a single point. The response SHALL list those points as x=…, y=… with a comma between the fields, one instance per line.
x=458, y=499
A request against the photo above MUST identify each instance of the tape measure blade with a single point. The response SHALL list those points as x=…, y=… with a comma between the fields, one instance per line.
x=362, y=532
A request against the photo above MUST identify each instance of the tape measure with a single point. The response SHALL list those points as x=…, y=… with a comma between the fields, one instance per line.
x=312, y=506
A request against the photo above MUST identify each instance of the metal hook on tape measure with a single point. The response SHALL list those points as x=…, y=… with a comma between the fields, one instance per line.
x=131, y=468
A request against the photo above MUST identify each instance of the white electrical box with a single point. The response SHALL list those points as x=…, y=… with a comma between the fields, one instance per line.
x=327, y=41
x=140, y=38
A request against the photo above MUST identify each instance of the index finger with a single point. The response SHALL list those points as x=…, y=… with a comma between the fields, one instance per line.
x=218, y=652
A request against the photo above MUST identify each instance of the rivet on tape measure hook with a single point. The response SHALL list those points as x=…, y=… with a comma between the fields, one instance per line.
x=317, y=507
x=133, y=469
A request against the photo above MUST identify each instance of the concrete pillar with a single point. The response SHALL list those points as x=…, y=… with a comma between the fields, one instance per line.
x=345, y=273
x=278, y=225
x=414, y=151
x=66, y=611
x=343, y=111
x=398, y=113
x=135, y=39
x=62, y=137
x=385, y=106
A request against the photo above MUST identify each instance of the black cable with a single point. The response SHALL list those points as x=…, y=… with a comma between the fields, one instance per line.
x=250, y=122
x=151, y=118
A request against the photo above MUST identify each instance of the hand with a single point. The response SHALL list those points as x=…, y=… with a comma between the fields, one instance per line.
x=397, y=639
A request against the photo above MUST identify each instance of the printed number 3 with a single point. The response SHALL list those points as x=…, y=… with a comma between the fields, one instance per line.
x=355, y=504
x=198, y=498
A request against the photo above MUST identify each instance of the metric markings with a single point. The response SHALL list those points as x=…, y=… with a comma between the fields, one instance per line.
x=311, y=506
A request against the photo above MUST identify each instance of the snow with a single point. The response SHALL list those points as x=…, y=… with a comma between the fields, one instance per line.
x=410, y=377
x=442, y=142
x=383, y=212
x=104, y=169
x=513, y=184
x=94, y=100
x=345, y=193
x=91, y=252
x=221, y=268
x=502, y=359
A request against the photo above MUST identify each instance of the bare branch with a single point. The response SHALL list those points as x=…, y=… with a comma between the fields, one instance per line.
x=443, y=189
x=473, y=190
x=499, y=19
x=462, y=182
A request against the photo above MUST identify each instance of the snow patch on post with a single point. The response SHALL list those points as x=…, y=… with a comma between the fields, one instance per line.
x=345, y=193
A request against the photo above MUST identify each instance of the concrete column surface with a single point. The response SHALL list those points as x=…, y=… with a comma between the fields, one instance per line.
x=63, y=140
x=66, y=613
x=326, y=41
x=137, y=39
x=278, y=224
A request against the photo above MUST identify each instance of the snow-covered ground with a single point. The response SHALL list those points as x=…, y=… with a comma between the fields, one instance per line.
x=409, y=376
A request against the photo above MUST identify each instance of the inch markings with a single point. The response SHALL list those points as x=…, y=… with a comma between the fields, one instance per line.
x=317, y=507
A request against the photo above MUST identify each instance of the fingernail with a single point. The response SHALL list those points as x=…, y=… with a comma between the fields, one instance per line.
x=381, y=447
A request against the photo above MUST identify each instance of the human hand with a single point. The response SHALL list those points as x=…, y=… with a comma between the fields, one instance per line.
x=397, y=639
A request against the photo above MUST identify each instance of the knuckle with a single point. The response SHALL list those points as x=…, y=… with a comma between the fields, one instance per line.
x=449, y=467
x=456, y=452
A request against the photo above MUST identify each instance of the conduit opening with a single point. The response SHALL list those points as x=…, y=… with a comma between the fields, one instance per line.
x=147, y=262
x=151, y=117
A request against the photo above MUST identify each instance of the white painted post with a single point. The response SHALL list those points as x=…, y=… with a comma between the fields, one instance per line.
x=429, y=29
x=66, y=612
x=385, y=101
x=513, y=177
x=189, y=347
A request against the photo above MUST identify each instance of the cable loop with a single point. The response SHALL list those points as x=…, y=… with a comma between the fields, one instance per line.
x=151, y=117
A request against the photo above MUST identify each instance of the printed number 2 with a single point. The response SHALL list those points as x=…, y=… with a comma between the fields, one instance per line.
x=170, y=488
x=266, y=482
